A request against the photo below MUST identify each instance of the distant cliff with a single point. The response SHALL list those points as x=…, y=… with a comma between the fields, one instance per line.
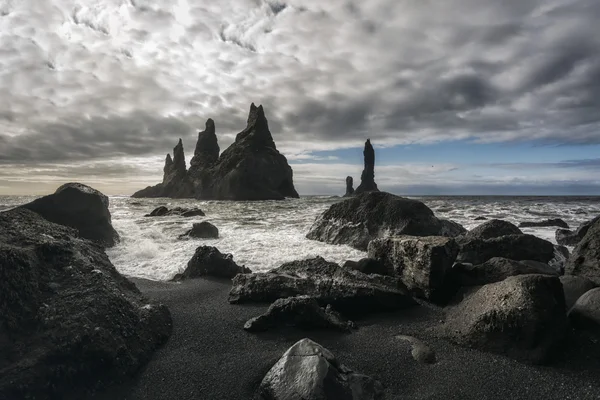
x=250, y=169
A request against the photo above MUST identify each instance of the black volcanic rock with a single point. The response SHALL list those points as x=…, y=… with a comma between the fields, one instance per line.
x=250, y=169
x=202, y=230
x=585, y=259
x=493, y=228
x=81, y=207
x=163, y=211
x=367, y=179
x=567, y=237
x=69, y=322
x=514, y=247
x=545, y=223
x=349, y=186
x=359, y=219
x=209, y=261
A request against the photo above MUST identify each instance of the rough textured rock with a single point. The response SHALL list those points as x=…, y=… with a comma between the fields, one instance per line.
x=202, y=230
x=586, y=311
x=495, y=270
x=574, y=287
x=367, y=179
x=349, y=186
x=300, y=311
x=561, y=256
x=348, y=291
x=184, y=212
x=368, y=266
x=515, y=247
x=492, y=229
x=420, y=351
x=68, y=320
x=585, y=259
x=420, y=262
x=209, y=261
x=207, y=149
x=81, y=207
x=522, y=317
x=567, y=237
x=547, y=222
x=358, y=220
x=309, y=371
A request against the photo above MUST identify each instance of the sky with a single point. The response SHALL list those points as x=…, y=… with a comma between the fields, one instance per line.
x=457, y=96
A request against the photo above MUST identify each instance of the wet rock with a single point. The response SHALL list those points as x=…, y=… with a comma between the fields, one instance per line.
x=368, y=266
x=202, y=230
x=300, y=311
x=69, y=322
x=209, y=261
x=420, y=351
x=367, y=178
x=492, y=229
x=567, y=237
x=495, y=270
x=522, y=317
x=81, y=207
x=574, y=287
x=545, y=223
x=184, y=212
x=480, y=219
x=309, y=371
x=514, y=247
x=347, y=290
x=585, y=259
x=420, y=262
x=372, y=215
x=586, y=311
x=349, y=186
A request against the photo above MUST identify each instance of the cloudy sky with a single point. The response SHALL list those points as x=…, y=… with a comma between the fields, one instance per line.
x=458, y=96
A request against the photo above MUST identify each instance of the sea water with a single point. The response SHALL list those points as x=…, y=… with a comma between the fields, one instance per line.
x=264, y=234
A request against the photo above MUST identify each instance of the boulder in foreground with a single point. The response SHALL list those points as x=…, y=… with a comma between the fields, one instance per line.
x=347, y=290
x=372, y=215
x=585, y=259
x=522, y=317
x=68, y=320
x=586, y=311
x=515, y=247
x=492, y=229
x=209, y=261
x=300, y=311
x=575, y=287
x=311, y=372
x=81, y=207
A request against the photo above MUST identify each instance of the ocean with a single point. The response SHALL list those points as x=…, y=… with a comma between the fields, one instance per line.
x=264, y=234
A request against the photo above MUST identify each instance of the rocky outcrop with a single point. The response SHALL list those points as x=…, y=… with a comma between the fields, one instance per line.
x=69, y=322
x=586, y=311
x=209, y=261
x=300, y=311
x=184, y=212
x=309, y=371
x=514, y=247
x=367, y=178
x=585, y=259
x=81, y=207
x=575, y=287
x=349, y=186
x=347, y=290
x=250, y=169
x=202, y=230
x=545, y=223
x=567, y=237
x=522, y=317
x=368, y=266
x=358, y=220
x=421, y=263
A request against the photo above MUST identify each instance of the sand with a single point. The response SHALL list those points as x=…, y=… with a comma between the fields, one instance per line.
x=210, y=356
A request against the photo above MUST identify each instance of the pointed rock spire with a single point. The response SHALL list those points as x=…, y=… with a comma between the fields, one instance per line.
x=168, y=167
x=349, y=186
x=257, y=131
x=367, y=178
x=207, y=147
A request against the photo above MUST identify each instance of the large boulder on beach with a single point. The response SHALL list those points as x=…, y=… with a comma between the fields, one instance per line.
x=492, y=229
x=69, y=322
x=585, y=258
x=372, y=215
x=81, y=207
x=522, y=317
x=307, y=370
x=568, y=237
x=209, y=261
x=545, y=223
x=300, y=311
x=574, y=287
x=347, y=290
x=477, y=250
x=586, y=311
x=202, y=230
x=420, y=262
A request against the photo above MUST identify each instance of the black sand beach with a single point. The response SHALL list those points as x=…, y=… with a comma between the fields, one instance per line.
x=210, y=356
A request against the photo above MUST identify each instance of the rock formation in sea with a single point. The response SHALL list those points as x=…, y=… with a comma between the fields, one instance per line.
x=250, y=169
x=367, y=178
x=349, y=186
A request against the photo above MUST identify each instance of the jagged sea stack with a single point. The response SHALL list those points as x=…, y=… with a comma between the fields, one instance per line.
x=367, y=179
x=349, y=186
x=206, y=156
